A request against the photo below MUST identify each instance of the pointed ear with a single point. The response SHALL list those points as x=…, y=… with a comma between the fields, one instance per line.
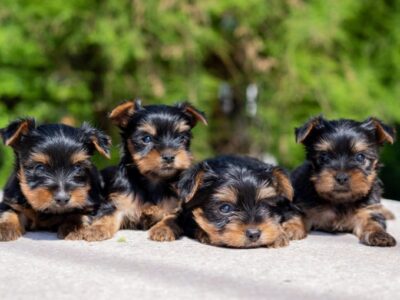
x=303, y=132
x=190, y=182
x=13, y=133
x=193, y=113
x=383, y=132
x=121, y=114
x=282, y=183
x=98, y=139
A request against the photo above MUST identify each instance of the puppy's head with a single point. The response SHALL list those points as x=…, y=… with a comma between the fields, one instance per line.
x=53, y=162
x=234, y=200
x=157, y=137
x=344, y=155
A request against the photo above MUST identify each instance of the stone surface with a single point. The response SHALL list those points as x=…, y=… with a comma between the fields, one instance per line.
x=324, y=266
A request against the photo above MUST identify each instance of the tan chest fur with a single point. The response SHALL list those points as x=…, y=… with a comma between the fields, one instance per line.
x=137, y=214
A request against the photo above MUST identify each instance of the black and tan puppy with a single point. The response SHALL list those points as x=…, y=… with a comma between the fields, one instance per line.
x=155, y=150
x=239, y=202
x=338, y=186
x=54, y=185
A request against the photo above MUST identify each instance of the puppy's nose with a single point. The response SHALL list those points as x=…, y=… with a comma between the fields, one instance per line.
x=253, y=234
x=341, y=178
x=168, y=158
x=61, y=197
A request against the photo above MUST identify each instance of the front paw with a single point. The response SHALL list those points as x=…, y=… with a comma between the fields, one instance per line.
x=202, y=237
x=378, y=239
x=281, y=241
x=70, y=232
x=295, y=232
x=163, y=233
x=9, y=231
x=97, y=233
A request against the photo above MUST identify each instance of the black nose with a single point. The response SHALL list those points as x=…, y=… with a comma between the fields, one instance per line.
x=61, y=197
x=168, y=158
x=253, y=234
x=341, y=178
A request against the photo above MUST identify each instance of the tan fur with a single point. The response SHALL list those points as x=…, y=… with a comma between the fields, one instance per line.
x=197, y=183
x=165, y=230
x=121, y=114
x=284, y=186
x=295, y=228
x=10, y=226
x=183, y=159
x=38, y=198
x=360, y=146
x=199, y=117
x=227, y=194
x=148, y=128
x=22, y=129
x=100, y=149
x=78, y=157
x=323, y=145
x=182, y=127
x=41, y=158
x=79, y=196
x=266, y=192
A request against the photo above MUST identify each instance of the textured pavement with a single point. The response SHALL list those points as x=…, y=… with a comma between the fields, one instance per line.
x=38, y=266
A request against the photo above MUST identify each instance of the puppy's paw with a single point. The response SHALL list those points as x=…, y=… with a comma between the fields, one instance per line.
x=71, y=233
x=9, y=231
x=387, y=214
x=295, y=230
x=202, y=237
x=281, y=241
x=379, y=239
x=162, y=233
x=97, y=233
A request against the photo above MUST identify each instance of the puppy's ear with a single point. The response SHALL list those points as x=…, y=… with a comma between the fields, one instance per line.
x=13, y=133
x=302, y=133
x=282, y=183
x=121, y=114
x=98, y=140
x=383, y=132
x=193, y=113
x=191, y=181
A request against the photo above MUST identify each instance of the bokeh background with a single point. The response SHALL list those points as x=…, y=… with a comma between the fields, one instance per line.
x=258, y=68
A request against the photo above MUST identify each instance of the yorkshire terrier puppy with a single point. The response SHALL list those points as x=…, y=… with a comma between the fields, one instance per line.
x=54, y=185
x=338, y=187
x=239, y=202
x=155, y=150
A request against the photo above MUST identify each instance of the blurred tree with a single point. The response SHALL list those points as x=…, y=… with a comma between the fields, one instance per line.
x=74, y=60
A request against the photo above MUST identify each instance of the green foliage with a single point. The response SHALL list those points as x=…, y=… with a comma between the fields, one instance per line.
x=77, y=59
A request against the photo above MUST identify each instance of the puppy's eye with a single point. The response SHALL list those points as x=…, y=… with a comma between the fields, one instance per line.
x=40, y=168
x=182, y=138
x=147, y=139
x=324, y=158
x=360, y=157
x=226, y=208
x=78, y=168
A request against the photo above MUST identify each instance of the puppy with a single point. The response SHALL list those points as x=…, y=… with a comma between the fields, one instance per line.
x=54, y=185
x=239, y=202
x=155, y=150
x=338, y=186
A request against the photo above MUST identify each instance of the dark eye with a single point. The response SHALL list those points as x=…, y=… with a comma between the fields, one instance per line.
x=360, y=157
x=78, y=168
x=226, y=208
x=324, y=158
x=182, y=138
x=147, y=139
x=40, y=168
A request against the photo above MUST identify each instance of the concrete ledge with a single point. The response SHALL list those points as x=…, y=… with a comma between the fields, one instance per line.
x=38, y=266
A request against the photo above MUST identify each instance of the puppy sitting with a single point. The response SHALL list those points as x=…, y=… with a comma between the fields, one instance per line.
x=337, y=187
x=54, y=185
x=155, y=150
x=239, y=202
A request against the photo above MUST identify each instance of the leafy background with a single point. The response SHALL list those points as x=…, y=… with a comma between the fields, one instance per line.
x=74, y=60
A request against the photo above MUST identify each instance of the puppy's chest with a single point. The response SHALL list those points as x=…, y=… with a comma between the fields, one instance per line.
x=139, y=212
x=330, y=218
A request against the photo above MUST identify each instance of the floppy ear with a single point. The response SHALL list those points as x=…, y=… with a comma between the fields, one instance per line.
x=13, y=133
x=282, y=183
x=193, y=113
x=98, y=139
x=121, y=114
x=383, y=132
x=303, y=132
x=191, y=181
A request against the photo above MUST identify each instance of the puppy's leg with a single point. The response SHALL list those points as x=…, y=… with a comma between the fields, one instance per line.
x=165, y=230
x=11, y=227
x=370, y=228
x=103, y=228
x=295, y=228
x=202, y=236
x=281, y=240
